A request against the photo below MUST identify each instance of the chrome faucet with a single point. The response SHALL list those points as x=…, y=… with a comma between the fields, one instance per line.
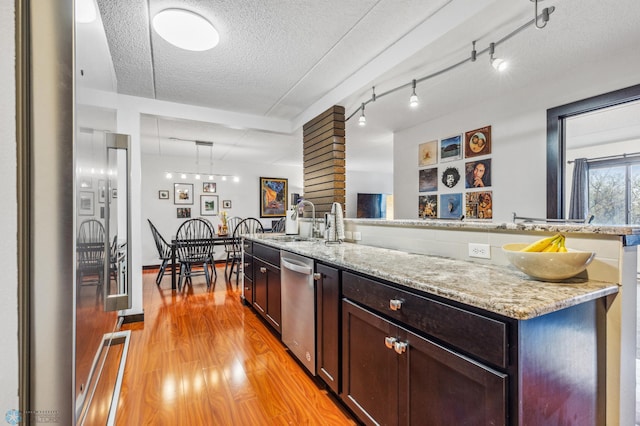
x=314, y=230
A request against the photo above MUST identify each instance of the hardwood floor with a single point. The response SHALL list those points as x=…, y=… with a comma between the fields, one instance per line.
x=203, y=358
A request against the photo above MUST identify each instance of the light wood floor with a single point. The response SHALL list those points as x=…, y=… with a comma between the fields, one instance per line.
x=203, y=358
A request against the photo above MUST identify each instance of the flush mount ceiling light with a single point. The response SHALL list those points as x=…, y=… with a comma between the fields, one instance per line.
x=186, y=30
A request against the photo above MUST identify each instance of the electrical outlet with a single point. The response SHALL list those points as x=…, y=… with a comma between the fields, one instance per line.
x=357, y=236
x=482, y=251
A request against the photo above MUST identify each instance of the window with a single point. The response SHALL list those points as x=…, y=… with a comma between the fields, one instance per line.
x=614, y=191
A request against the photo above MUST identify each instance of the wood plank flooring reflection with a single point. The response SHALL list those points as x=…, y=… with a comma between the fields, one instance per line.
x=203, y=358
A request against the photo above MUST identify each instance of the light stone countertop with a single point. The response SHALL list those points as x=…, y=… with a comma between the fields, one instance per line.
x=499, y=289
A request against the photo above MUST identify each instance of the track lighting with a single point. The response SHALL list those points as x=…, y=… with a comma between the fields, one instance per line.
x=544, y=16
x=498, y=63
x=413, y=100
x=362, y=121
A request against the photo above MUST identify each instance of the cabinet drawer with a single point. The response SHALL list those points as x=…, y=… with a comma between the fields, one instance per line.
x=266, y=253
x=483, y=337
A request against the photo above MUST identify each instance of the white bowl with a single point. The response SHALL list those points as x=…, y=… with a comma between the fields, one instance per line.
x=548, y=266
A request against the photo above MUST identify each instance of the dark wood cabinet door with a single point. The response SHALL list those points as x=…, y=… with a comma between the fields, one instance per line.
x=273, y=298
x=441, y=387
x=260, y=286
x=328, y=326
x=370, y=369
x=248, y=279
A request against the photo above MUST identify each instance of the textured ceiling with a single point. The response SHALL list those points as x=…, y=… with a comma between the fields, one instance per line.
x=291, y=59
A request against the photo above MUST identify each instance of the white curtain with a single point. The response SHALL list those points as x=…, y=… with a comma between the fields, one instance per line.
x=579, y=190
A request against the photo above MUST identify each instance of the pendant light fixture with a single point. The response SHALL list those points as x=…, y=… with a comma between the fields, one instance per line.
x=186, y=30
x=413, y=100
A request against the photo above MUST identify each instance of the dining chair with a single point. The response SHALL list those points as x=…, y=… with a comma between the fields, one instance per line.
x=279, y=226
x=212, y=262
x=90, y=251
x=192, y=249
x=231, y=247
x=164, y=251
x=249, y=225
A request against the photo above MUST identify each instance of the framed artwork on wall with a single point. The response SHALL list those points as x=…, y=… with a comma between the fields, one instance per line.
x=102, y=188
x=163, y=194
x=477, y=142
x=182, y=193
x=450, y=177
x=451, y=206
x=209, y=205
x=451, y=148
x=273, y=197
x=183, y=212
x=478, y=173
x=428, y=206
x=428, y=179
x=86, y=201
x=479, y=205
x=427, y=153
x=226, y=204
x=86, y=182
x=208, y=187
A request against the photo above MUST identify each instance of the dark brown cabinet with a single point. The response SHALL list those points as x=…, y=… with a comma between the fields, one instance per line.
x=392, y=375
x=328, y=341
x=266, y=284
x=248, y=270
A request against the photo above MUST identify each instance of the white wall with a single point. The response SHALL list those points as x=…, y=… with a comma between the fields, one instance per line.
x=244, y=195
x=518, y=123
x=8, y=208
x=368, y=183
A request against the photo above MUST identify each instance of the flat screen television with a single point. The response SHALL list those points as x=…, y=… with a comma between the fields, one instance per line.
x=372, y=206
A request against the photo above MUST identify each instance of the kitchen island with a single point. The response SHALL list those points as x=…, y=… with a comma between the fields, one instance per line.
x=511, y=349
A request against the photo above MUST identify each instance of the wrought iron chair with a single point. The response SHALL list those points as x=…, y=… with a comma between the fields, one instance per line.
x=90, y=248
x=231, y=248
x=279, y=226
x=192, y=249
x=164, y=251
x=247, y=226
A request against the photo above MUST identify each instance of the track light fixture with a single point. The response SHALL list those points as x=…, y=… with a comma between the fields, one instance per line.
x=362, y=121
x=497, y=63
x=413, y=100
x=544, y=16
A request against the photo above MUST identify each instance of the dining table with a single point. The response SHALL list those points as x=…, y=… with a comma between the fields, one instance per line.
x=216, y=240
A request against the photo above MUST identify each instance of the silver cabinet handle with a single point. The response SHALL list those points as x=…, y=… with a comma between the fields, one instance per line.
x=389, y=341
x=317, y=276
x=400, y=347
x=263, y=269
x=395, y=304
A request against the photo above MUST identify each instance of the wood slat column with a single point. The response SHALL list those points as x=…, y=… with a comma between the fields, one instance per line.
x=324, y=160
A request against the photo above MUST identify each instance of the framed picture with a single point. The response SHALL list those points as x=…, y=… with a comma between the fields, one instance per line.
x=86, y=182
x=451, y=148
x=273, y=197
x=428, y=179
x=102, y=188
x=451, y=206
x=428, y=206
x=163, y=194
x=208, y=187
x=86, y=202
x=226, y=204
x=209, y=205
x=114, y=193
x=182, y=193
x=477, y=142
x=478, y=173
x=479, y=205
x=183, y=212
x=450, y=177
x=428, y=153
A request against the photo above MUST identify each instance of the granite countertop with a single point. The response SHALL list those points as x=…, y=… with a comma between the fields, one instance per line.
x=500, y=289
x=622, y=230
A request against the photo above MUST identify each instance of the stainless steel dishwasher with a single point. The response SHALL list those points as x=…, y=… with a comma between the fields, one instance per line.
x=298, y=307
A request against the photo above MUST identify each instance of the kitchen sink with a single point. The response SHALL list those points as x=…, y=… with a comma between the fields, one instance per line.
x=292, y=238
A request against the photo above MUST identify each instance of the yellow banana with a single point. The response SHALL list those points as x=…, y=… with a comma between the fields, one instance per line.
x=553, y=247
x=540, y=245
x=562, y=248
